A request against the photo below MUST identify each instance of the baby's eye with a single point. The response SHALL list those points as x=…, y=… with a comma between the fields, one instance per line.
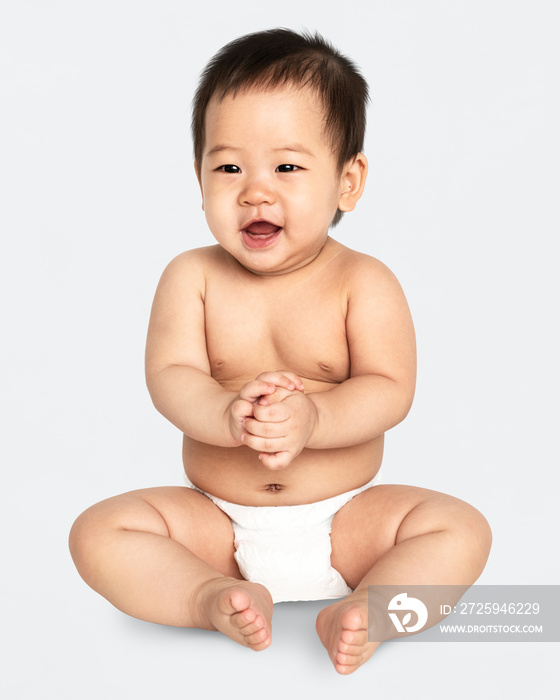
x=287, y=168
x=229, y=168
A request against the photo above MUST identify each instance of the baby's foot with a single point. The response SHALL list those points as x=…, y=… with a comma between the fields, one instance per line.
x=240, y=609
x=343, y=629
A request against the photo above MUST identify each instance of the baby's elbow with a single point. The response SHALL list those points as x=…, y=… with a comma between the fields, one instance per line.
x=407, y=402
x=404, y=401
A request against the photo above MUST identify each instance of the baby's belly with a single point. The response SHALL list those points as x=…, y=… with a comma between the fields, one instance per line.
x=237, y=475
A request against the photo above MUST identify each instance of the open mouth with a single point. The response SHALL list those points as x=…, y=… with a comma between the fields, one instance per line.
x=260, y=234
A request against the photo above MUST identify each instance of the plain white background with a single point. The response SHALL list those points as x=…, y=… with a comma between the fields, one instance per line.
x=98, y=193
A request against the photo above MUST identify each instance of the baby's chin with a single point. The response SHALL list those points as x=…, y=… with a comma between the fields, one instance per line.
x=263, y=268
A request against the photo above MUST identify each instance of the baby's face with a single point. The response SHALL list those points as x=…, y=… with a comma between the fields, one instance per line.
x=269, y=179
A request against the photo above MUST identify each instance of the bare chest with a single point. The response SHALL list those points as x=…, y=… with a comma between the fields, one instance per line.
x=251, y=329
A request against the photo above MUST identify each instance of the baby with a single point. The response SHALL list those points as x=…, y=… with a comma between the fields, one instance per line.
x=283, y=357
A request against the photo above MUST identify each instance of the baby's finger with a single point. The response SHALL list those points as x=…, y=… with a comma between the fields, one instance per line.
x=252, y=391
x=276, y=460
x=263, y=444
x=240, y=409
x=295, y=379
x=288, y=380
x=276, y=412
x=257, y=429
x=279, y=395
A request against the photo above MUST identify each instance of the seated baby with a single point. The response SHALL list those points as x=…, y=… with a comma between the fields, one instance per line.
x=283, y=357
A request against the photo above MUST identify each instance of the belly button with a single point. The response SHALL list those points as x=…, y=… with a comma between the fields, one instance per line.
x=274, y=487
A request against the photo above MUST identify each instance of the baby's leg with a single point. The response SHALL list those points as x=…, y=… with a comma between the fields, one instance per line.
x=166, y=555
x=396, y=535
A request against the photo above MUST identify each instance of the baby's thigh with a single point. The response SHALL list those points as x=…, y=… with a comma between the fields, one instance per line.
x=370, y=525
x=180, y=513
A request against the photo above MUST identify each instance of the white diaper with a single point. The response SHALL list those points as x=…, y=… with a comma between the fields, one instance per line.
x=288, y=548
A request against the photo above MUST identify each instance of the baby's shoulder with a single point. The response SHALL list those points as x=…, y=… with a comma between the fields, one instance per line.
x=197, y=258
x=362, y=271
x=194, y=266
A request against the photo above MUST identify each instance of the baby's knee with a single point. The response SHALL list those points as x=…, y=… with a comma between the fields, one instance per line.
x=471, y=533
x=479, y=529
x=85, y=533
x=94, y=529
x=466, y=527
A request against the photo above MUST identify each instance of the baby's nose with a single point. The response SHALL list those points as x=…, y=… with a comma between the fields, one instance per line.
x=257, y=191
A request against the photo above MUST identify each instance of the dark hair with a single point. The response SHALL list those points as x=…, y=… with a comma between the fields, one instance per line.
x=278, y=57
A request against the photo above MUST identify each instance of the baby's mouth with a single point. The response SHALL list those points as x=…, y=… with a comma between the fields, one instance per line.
x=261, y=228
x=260, y=234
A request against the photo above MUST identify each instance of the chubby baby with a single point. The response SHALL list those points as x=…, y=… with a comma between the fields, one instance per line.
x=283, y=357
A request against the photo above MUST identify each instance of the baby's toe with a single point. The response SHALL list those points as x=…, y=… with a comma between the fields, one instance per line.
x=354, y=637
x=258, y=640
x=252, y=627
x=244, y=618
x=235, y=601
x=350, y=649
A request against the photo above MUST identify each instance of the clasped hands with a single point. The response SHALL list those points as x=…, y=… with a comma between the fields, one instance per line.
x=273, y=416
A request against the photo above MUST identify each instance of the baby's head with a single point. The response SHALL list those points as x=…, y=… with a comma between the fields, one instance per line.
x=282, y=58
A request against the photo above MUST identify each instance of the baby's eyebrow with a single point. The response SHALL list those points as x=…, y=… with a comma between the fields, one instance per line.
x=219, y=148
x=290, y=148
x=295, y=148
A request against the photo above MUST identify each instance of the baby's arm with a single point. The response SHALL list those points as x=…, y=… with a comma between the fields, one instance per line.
x=177, y=366
x=378, y=393
x=382, y=347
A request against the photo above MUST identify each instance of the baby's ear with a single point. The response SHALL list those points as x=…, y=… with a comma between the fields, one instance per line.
x=352, y=182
